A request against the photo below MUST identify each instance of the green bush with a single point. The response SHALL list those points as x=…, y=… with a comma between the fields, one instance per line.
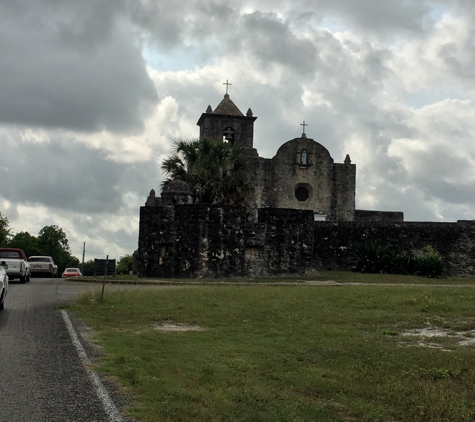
x=404, y=264
x=371, y=257
x=430, y=265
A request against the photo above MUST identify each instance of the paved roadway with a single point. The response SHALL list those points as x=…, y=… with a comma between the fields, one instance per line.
x=41, y=376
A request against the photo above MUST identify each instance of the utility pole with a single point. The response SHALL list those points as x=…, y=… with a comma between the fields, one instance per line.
x=83, y=253
x=104, y=280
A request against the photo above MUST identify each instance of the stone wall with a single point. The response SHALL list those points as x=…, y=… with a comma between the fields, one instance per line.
x=392, y=216
x=455, y=242
x=207, y=241
x=287, y=240
x=344, y=186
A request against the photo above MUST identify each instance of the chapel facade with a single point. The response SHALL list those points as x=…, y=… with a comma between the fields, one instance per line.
x=302, y=175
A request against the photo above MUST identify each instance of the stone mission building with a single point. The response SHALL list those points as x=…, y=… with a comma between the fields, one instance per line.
x=302, y=175
x=302, y=217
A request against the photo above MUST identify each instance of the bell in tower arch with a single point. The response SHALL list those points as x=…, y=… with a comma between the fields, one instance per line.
x=228, y=135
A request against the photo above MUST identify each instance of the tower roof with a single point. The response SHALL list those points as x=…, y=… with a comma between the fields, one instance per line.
x=227, y=107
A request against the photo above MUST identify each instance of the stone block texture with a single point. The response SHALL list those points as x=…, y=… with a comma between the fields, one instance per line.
x=455, y=242
x=209, y=241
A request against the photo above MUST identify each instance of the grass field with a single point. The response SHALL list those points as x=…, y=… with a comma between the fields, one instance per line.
x=337, y=276
x=291, y=353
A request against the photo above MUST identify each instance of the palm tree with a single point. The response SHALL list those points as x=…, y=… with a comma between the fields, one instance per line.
x=217, y=172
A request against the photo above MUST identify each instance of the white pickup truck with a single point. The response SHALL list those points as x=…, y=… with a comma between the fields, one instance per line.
x=17, y=264
x=3, y=284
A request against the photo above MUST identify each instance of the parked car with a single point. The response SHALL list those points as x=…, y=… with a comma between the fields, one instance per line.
x=3, y=284
x=71, y=272
x=16, y=264
x=43, y=266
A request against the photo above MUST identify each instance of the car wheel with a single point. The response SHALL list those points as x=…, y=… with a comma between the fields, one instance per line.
x=22, y=279
x=2, y=306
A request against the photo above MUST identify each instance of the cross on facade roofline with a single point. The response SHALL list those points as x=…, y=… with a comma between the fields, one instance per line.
x=227, y=86
x=303, y=124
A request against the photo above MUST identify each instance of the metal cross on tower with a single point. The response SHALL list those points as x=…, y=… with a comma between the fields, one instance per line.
x=227, y=86
x=303, y=124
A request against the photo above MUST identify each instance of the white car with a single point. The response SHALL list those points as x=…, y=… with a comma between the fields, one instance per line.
x=3, y=284
x=43, y=266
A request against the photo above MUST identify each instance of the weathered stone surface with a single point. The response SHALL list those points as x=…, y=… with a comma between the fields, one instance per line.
x=176, y=192
x=202, y=240
x=215, y=124
x=288, y=242
x=208, y=241
x=328, y=188
x=392, y=216
x=455, y=242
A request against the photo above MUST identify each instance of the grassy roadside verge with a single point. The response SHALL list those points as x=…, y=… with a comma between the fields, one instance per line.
x=298, y=353
x=337, y=276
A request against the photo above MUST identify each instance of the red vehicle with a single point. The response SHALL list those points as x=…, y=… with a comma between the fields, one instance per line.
x=71, y=272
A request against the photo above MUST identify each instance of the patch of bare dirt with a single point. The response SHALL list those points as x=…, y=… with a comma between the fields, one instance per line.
x=466, y=338
x=177, y=327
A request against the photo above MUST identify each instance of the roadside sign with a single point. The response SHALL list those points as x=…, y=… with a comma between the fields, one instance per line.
x=99, y=267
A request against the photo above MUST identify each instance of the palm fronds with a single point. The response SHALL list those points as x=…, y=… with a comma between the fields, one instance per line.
x=216, y=172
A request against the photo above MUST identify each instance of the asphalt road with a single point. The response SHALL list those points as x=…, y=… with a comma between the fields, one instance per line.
x=41, y=375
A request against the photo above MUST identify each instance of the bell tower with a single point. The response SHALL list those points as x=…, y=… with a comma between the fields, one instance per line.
x=227, y=122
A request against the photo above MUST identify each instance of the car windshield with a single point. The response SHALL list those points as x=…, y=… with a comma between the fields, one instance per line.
x=9, y=254
x=39, y=259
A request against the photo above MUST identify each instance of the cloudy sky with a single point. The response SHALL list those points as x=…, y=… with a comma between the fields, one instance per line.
x=93, y=92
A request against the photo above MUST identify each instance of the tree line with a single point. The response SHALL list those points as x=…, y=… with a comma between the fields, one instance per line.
x=51, y=241
x=123, y=266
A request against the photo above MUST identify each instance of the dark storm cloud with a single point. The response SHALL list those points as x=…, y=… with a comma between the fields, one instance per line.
x=168, y=24
x=71, y=64
x=272, y=43
x=66, y=175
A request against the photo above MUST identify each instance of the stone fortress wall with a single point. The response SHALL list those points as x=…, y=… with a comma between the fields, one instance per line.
x=455, y=242
x=211, y=241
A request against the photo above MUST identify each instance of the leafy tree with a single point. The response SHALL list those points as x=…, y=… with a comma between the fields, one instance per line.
x=52, y=241
x=217, y=172
x=125, y=264
x=5, y=231
x=27, y=242
x=73, y=262
x=88, y=268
